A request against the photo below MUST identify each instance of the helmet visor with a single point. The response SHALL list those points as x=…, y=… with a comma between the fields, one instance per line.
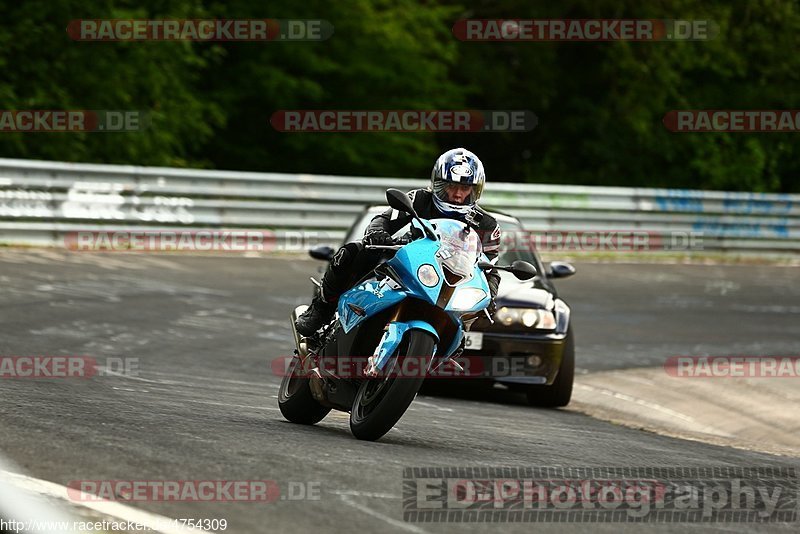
x=455, y=193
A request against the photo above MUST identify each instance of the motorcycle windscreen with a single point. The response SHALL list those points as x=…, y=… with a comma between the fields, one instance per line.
x=459, y=250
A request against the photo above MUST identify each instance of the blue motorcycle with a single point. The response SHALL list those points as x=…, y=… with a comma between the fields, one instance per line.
x=409, y=315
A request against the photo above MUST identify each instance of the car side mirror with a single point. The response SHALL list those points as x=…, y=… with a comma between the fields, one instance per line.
x=322, y=252
x=561, y=269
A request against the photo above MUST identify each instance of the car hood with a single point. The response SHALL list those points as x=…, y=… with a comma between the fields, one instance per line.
x=522, y=293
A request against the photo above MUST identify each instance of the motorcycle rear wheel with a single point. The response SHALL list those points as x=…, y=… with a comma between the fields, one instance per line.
x=295, y=400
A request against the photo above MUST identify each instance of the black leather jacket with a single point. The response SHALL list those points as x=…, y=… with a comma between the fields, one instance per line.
x=488, y=230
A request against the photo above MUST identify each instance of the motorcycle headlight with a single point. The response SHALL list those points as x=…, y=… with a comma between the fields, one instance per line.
x=467, y=297
x=531, y=318
x=427, y=275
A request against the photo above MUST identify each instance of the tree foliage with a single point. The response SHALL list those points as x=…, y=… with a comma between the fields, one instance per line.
x=600, y=105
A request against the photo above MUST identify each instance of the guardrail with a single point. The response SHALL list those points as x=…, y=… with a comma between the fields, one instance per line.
x=42, y=201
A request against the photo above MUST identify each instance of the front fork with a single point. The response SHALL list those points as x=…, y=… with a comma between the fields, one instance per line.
x=390, y=342
x=452, y=358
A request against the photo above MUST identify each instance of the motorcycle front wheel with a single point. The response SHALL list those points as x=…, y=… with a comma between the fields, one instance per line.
x=382, y=401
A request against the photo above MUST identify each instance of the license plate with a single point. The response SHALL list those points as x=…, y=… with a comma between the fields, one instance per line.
x=473, y=341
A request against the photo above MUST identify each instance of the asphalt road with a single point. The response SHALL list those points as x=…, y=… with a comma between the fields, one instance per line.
x=202, y=332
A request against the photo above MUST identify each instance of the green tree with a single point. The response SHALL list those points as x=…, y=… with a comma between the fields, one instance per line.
x=391, y=54
x=44, y=69
x=600, y=105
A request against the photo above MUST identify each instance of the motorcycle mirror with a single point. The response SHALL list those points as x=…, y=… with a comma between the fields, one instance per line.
x=400, y=201
x=522, y=270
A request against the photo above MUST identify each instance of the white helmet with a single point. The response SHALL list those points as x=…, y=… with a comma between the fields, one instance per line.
x=457, y=166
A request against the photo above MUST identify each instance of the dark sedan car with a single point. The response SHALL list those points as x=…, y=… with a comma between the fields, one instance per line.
x=530, y=346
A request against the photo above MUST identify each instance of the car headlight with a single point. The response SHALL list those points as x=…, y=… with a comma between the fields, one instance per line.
x=531, y=318
x=427, y=275
x=507, y=316
x=467, y=297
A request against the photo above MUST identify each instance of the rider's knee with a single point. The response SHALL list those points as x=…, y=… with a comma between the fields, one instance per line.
x=345, y=256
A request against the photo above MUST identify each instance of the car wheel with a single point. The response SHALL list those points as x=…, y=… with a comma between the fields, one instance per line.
x=559, y=392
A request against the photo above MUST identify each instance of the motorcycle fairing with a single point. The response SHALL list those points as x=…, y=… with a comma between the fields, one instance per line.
x=394, y=336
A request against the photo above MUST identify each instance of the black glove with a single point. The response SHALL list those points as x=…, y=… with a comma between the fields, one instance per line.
x=378, y=237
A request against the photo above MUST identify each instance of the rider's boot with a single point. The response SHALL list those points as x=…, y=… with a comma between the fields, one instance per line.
x=315, y=317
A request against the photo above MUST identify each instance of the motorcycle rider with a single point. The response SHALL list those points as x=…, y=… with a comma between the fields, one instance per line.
x=457, y=181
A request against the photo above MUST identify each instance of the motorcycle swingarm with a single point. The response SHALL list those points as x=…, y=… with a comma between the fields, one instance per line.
x=338, y=394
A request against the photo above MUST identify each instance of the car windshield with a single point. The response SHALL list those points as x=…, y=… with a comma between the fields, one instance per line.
x=515, y=244
x=460, y=246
